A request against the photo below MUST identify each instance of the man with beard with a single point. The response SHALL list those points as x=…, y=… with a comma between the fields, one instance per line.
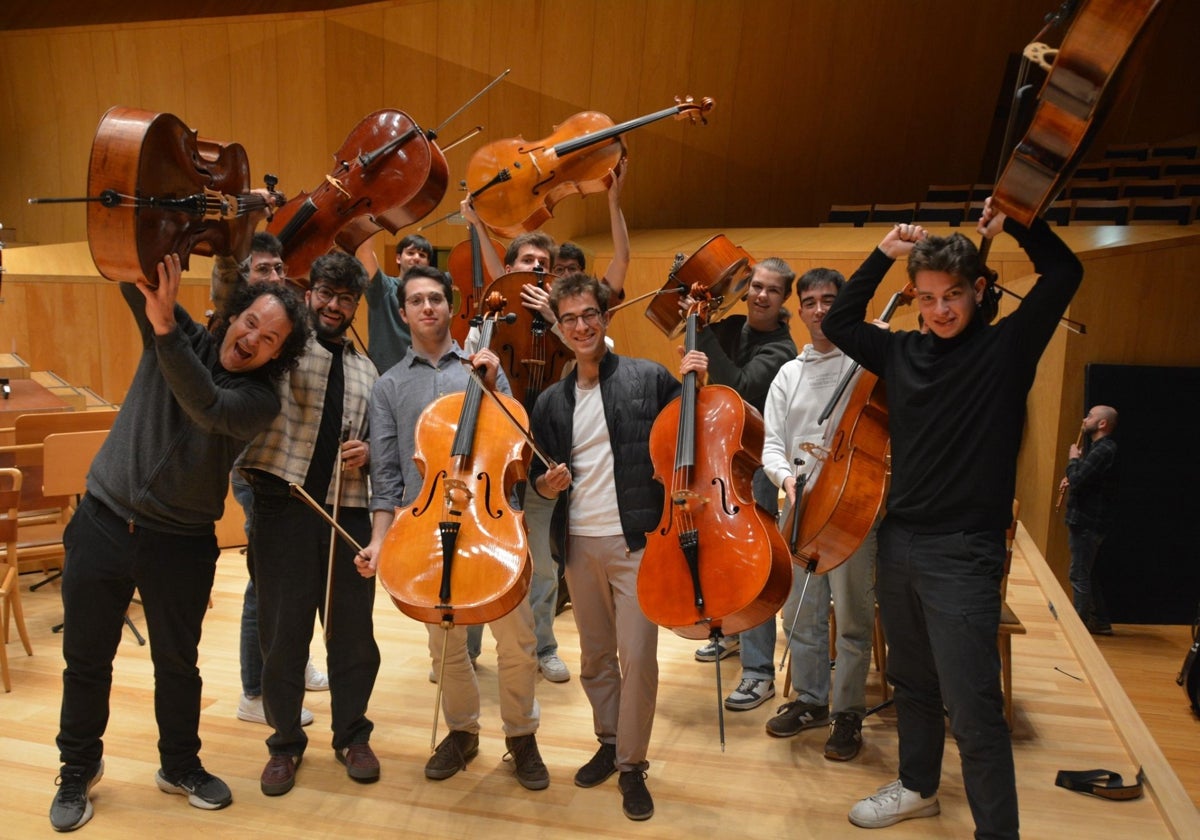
x=324, y=399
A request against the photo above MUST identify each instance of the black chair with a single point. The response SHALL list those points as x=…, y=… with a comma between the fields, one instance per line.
x=1092, y=172
x=1174, y=150
x=1139, y=188
x=942, y=212
x=1097, y=212
x=855, y=214
x=1127, y=151
x=948, y=192
x=898, y=214
x=979, y=192
x=1188, y=187
x=1176, y=170
x=1161, y=211
x=1136, y=170
x=1094, y=189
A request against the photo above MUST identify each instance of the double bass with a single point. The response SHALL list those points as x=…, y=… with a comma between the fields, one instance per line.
x=716, y=563
x=387, y=174
x=458, y=554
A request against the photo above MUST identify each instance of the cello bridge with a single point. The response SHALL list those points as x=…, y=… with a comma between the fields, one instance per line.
x=457, y=496
x=687, y=501
x=816, y=450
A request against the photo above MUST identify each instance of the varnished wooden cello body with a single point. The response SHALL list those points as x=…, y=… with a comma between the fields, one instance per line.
x=716, y=562
x=458, y=554
x=156, y=188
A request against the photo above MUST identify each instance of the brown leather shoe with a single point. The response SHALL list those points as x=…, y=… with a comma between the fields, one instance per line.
x=279, y=776
x=361, y=763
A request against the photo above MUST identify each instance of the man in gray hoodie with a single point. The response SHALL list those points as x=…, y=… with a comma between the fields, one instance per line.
x=154, y=492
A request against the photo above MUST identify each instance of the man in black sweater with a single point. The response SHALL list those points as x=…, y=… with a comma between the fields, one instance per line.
x=957, y=407
x=1091, y=479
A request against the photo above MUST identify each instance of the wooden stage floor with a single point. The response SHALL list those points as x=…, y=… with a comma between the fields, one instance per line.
x=1066, y=718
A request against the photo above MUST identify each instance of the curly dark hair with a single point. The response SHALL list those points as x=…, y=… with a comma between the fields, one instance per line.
x=297, y=313
x=957, y=256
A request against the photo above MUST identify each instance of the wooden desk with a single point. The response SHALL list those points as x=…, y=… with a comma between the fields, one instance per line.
x=28, y=397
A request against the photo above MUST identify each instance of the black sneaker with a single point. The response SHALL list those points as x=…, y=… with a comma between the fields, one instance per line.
x=71, y=807
x=726, y=646
x=636, y=801
x=527, y=762
x=602, y=765
x=845, y=737
x=203, y=789
x=452, y=755
x=797, y=716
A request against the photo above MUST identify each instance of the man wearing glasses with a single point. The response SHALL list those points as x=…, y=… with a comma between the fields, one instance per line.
x=320, y=433
x=595, y=424
x=435, y=366
x=745, y=352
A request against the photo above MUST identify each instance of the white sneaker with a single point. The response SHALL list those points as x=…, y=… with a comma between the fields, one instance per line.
x=892, y=804
x=314, y=678
x=553, y=668
x=251, y=709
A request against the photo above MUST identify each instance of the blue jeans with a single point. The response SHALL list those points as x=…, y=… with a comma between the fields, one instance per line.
x=543, y=588
x=174, y=574
x=1084, y=544
x=851, y=586
x=939, y=596
x=250, y=655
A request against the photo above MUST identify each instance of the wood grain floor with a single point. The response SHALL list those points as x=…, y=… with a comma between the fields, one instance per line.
x=770, y=787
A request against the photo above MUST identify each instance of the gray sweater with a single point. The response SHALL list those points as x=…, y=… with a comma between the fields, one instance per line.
x=165, y=464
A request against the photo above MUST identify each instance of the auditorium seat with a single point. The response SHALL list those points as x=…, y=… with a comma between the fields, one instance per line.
x=1096, y=212
x=1163, y=211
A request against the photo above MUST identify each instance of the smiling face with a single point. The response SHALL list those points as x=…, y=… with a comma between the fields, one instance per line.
x=947, y=303
x=332, y=310
x=764, y=299
x=814, y=305
x=255, y=335
x=583, y=326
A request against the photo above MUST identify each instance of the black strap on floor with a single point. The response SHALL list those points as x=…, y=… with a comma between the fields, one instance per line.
x=1103, y=783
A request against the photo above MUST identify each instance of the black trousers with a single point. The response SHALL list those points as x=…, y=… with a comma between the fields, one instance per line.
x=105, y=560
x=939, y=598
x=289, y=558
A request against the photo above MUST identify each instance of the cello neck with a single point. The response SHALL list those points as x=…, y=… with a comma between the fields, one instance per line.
x=607, y=134
x=464, y=435
x=848, y=377
x=685, y=440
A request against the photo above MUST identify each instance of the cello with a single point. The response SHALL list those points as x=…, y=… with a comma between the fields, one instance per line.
x=718, y=265
x=470, y=276
x=156, y=188
x=515, y=184
x=1085, y=75
x=532, y=355
x=388, y=174
x=842, y=496
x=458, y=554
x=716, y=563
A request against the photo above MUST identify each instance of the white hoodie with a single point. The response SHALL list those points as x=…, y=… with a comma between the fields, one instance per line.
x=799, y=393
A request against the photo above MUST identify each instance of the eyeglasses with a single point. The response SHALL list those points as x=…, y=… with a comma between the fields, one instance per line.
x=267, y=269
x=590, y=317
x=324, y=295
x=418, y=301
x=758, y=289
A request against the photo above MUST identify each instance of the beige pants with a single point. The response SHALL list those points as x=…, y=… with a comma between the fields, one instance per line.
x=618, y=645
